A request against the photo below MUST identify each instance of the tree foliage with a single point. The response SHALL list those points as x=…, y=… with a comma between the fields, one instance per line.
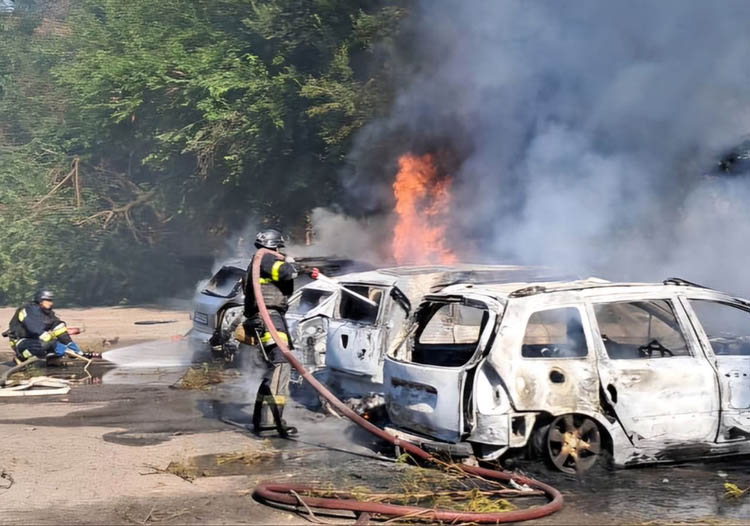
x=186, y=118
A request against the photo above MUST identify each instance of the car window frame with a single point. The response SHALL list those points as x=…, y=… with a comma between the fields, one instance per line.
x=697, y=325
x=381, y=306
x=583, y=316
x=694, y=346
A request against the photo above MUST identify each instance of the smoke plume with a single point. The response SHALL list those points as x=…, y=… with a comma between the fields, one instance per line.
x=581, y=132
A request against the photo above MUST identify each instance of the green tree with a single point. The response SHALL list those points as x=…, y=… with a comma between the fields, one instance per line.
x=187, y=117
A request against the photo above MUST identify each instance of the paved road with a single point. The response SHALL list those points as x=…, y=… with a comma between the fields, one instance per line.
x=82, y=458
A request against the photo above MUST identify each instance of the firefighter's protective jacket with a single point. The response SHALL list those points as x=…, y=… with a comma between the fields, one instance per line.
x=32, y=321
x=277, y=284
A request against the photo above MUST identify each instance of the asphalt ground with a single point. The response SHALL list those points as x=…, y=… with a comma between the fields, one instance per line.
x=102, y=453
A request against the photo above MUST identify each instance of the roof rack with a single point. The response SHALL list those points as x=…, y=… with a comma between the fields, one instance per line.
x=682, y=283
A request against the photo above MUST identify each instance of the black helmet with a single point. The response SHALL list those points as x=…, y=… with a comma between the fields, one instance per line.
x=269, y=238
x=42, y=295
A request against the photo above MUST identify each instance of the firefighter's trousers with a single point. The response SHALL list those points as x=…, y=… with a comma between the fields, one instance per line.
x=273, y=392
x=27, y=347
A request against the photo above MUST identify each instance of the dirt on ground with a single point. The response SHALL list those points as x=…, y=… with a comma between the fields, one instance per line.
x=139, y=444
x=110, y=327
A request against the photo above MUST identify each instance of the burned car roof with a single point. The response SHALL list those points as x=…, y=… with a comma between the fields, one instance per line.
x=505, y=290
x=416, y=281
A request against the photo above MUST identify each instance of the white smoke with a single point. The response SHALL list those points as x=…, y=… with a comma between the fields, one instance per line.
x=337, y=234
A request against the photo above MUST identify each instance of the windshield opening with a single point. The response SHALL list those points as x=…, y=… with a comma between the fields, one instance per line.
x=448, y=334
x=225, y=283
x=308, y=300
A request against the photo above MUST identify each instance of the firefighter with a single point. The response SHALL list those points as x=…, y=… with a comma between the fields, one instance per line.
x=277, y=284
x=35, y=330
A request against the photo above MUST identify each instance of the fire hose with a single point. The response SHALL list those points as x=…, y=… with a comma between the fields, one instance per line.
x=289, y=494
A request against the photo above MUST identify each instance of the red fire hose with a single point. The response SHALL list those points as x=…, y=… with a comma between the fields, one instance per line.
x=289, y=494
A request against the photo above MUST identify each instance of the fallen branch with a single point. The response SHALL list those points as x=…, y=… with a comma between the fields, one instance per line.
x=122, y=210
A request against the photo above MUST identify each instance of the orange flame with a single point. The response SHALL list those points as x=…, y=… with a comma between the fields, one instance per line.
x=422, y=205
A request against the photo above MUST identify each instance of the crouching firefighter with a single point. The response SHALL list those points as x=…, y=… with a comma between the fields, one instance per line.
x=277, y=284
x=35, y=330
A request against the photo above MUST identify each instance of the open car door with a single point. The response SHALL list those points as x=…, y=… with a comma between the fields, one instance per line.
x=429, y=390
x=724, y=329
x=359, y=332
x=307, y=318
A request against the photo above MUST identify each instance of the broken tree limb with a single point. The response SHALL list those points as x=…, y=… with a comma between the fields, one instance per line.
x=55, y=188
x=77, y=183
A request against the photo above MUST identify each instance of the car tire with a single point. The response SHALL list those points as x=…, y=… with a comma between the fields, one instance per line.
x=574, y=443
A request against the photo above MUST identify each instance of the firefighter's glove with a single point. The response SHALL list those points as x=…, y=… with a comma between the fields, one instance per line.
x=73, y=346
x=315, y=273
x=290, y=260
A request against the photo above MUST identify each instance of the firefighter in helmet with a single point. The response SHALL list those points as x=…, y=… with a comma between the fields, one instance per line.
x=277, y=284
x=35, y=330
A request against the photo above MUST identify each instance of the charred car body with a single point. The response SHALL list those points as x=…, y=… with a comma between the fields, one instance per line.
x=218, y=304
x=645, y=372
x=346, y=339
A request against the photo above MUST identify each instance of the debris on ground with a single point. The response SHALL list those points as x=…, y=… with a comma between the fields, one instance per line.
x=153, y=322
x=216, y=464
x=108, y=342
x=185, y=470
x=6, y=480
x=438, y=489
x=200, y=377
x=252, y=456
x=734, y=491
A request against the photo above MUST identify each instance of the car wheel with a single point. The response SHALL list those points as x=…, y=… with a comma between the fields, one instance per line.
x=574, y=443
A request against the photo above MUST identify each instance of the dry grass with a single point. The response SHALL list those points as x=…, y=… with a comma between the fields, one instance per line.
x=185, y=470
x=201, y=377
x=246, y=457
x=734, y=491
x=215, y=465
x=447, y=489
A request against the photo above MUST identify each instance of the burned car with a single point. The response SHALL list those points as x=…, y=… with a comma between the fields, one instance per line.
x=218, y=304
x=576, y=370
x=352, y=327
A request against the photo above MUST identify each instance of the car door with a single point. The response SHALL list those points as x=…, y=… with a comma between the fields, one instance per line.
x=653, y=374
x=357, y=331
x=310, y=310
x=428, y=392
x=723, y=326
x=554, y=370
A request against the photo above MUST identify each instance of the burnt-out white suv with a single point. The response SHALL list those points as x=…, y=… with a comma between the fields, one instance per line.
x=347, y=339
x=644, y=372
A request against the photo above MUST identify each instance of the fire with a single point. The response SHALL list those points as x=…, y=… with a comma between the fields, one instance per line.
x=422, y=205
